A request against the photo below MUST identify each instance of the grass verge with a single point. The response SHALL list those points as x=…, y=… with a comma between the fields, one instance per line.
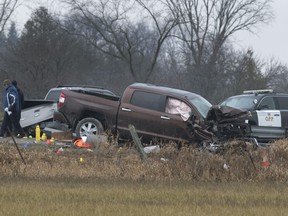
x=109, y=180
x=117, y=197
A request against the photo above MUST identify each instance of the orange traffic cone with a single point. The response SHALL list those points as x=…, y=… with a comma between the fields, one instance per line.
x=265, y=161
x=81, y=144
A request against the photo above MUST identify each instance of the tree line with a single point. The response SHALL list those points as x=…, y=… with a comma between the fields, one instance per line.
x=112, y=43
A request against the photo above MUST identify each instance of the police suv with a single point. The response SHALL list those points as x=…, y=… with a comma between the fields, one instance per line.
x=269, y=113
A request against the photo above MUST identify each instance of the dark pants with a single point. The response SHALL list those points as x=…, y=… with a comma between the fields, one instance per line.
x=19, y=114
x=12, y=120
x=5, y=124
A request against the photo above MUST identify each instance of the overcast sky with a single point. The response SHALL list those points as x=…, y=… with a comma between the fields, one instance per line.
x=270, y=40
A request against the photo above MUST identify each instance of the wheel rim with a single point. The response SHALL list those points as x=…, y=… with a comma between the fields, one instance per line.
x=88, y=128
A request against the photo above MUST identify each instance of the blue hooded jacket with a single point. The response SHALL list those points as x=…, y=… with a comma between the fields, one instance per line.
x=10, y=99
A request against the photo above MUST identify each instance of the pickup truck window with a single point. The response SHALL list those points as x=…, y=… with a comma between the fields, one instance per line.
x=178, y=107
x=148, y=100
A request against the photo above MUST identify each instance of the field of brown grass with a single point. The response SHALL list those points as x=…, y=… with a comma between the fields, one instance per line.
x=111, y=161
x=113, y=180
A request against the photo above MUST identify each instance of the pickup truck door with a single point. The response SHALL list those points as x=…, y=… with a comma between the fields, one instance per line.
x=146, y=112
x=146, y=123
x=175, y=128
x=143, y=111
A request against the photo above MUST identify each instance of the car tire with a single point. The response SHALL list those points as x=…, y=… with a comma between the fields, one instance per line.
x=88, y=126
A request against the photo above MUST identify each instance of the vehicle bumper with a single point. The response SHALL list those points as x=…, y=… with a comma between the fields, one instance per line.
x=266, y=135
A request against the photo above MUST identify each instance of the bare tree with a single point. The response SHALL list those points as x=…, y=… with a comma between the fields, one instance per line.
x=205, y=26
x=163, y=22
x=7, y=7
x=277, y=75
x=118, y=30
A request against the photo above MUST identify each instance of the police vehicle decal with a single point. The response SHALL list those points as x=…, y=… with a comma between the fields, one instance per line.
x=269, y=118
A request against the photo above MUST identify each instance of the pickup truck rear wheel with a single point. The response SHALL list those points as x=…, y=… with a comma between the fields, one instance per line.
x=89, y=126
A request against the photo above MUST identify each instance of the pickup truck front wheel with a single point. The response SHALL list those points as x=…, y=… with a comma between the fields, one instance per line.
x=89, y=126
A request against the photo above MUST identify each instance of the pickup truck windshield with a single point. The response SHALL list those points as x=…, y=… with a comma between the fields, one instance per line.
x=201, y=104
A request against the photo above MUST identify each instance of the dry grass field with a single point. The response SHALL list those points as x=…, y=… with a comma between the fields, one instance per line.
x=113, y=180
x=92, y=196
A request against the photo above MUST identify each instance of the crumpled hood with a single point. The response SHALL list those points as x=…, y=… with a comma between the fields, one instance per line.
x=226, y=114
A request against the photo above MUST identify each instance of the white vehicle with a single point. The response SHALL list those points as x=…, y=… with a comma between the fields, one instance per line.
x=39, y=112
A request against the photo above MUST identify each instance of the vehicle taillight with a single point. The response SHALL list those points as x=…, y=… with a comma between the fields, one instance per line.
x=61, y=100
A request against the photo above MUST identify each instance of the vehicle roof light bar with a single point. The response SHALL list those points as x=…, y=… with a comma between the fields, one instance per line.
x=258, y=91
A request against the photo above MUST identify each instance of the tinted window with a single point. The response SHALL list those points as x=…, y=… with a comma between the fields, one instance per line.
x=282, y=102
x=267, y=103
x=148, y=100
x=53, y=95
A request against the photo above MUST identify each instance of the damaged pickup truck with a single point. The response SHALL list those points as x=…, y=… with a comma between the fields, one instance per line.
x=157, y=113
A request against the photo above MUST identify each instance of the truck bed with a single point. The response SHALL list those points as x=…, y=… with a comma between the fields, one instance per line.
x=80, y=104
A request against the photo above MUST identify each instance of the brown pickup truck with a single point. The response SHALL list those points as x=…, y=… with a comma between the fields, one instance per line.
x=156, y=112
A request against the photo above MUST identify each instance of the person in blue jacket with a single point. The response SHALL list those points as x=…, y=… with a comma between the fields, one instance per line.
x=11, y=110
x=20, y=97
